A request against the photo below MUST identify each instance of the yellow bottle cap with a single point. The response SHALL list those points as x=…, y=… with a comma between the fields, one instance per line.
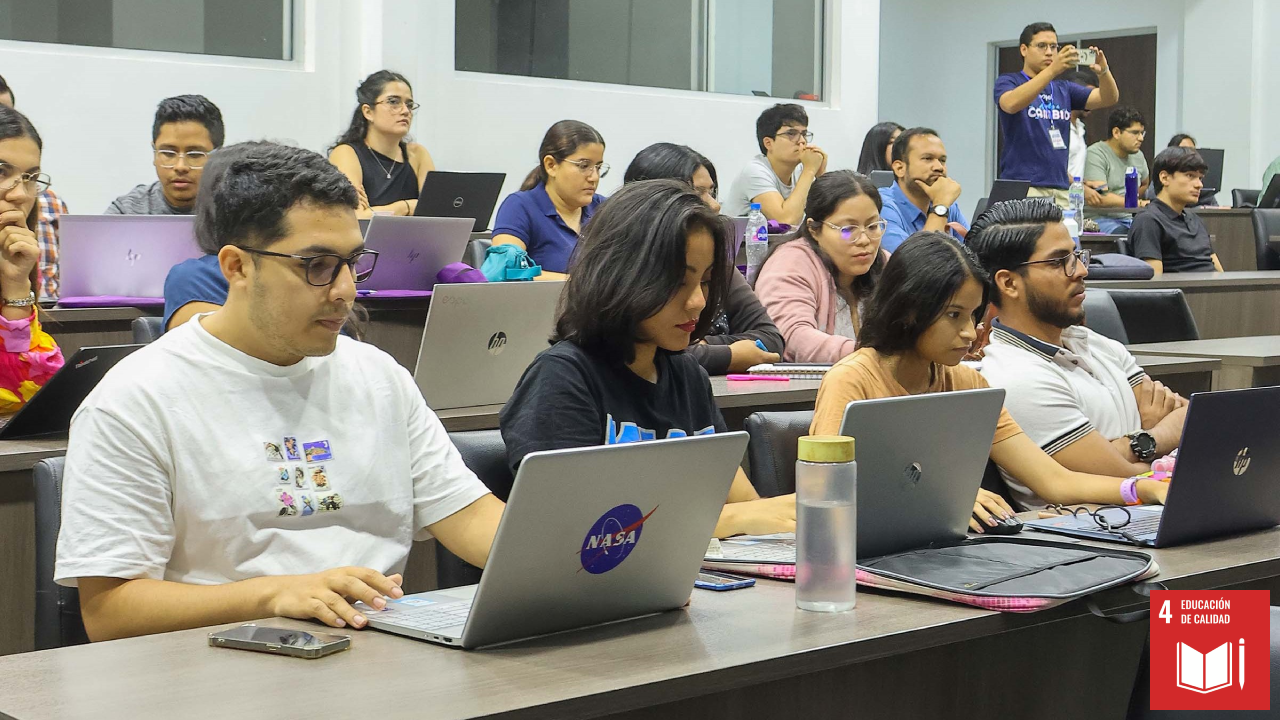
x=826, y=448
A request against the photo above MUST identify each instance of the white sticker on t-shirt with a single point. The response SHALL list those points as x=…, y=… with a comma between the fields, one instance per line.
x=1056, y=137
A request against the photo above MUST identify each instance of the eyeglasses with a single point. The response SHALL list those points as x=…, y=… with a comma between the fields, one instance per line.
x=396, y=104
x=874, y=231
x=1137, y=133
x=586, y=166
x=196, y=159
x=1105, y=516
x=796, y=135
x=1069, y=262
x=322, y=270
x=1042, y=46
x=10, y=178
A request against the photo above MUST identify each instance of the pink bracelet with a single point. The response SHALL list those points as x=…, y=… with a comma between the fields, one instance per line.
x=1129, y=491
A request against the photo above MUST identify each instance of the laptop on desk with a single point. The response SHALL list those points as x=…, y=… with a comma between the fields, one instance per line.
x=49, y=411
x=480, y=338
x=461, y=195
x=413, y=250
x=1213, y=157
x=122, y=255
x=883, y=178
x=590, y=536
x=1225, y=480
x=1002, y=191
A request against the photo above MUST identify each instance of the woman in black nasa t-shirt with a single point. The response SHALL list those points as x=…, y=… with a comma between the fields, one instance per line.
x=649, y=265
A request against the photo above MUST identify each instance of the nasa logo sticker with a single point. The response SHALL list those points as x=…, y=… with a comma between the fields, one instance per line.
x=612, y=538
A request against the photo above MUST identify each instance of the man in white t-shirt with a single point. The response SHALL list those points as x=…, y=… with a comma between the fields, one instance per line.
x=779, y=177
x=252, y=462
x=1080, y=396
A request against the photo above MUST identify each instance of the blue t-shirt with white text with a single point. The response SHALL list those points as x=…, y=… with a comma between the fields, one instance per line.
x=1029, y=152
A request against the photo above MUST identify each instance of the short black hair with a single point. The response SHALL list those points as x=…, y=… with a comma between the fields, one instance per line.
x=255, y=189
x=664, y=161
x=4, y=88
x=1082, y=75
x=631, y=261
x=205, y=208
x=193, y=108
x=777, y=117
x=1005, y=235
x=1175, y=160
x=1124, y=117
x=921, y=276
x=873, y=147
x=1034, y=29
x=903, y=144
x=1176, y=140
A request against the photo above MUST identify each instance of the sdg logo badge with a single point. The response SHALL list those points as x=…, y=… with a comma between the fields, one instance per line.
x=1210, y=650
x=612, y=538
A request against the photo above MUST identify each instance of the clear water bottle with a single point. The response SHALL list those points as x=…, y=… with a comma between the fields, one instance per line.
x=1075, y=198
x=1073, y=227
x=826, y=524
x=757, y=242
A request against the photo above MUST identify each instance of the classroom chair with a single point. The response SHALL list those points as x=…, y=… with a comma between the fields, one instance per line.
x=1102, y=316
x=147, y=329
x=486, y=455
x=1266, y=226
x=1245, y=198
x=58, y=622
x=1156, y=315
x=772, y=449
x=476, y=249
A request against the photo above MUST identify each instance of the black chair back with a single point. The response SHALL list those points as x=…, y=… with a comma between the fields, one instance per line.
x=147, y=329
x=476, y=250
x=1158, y=315
x=1102, y=317
x=1266, y=225
x=772, y=449
x=1245, y=198
x=486, y=455
x=58, y=622
x=994, y=482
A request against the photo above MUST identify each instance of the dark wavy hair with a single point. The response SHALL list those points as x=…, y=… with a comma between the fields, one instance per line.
x=919, y=280
x=631, y=261
x=1006, y=234
x=1175, y=160
x=14, y=124
x=366, y=94
x=5, y=88
x=190, y=108
x=664, y=161
x=1033, y=30
x=874, y=145
x=205, y=208
x=562, y=140
x=825, y=195
x=1122, y=118
x=1176, y=140
x=777, y=117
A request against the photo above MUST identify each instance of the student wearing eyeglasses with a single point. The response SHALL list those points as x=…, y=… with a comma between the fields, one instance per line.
x=556, y=200
x=387, y=170
x=814, y=286
x=779, y=178
x=187, y=129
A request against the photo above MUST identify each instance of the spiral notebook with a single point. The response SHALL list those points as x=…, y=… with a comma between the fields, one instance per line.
x=795, y=371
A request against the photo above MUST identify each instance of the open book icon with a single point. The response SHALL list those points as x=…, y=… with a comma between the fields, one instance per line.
x=1206, y=672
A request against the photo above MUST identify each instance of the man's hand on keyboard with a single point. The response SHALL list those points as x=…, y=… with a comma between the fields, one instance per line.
x=328, y=596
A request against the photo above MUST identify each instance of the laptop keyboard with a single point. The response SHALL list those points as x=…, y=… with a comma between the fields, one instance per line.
x=431, y=617
x=770, y=552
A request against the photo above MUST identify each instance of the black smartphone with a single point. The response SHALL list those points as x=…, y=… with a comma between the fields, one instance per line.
x=279, y=641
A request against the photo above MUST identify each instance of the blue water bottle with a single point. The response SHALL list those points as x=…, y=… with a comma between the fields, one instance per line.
x=1131, y=187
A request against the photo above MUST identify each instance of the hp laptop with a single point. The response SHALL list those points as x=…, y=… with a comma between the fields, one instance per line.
x=461, y=195
x=412, y=250
x=122, y=255
x=1224, y=481
x=1213, y=178
x=590, y=535
x=49, y=411
x=918, y=473
x=883, y=178
x=480, y=338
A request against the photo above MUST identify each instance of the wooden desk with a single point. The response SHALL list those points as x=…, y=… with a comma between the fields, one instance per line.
x=1232, y=233
x=74, y=328
x=1246, y=361
x=1229, y=304
x=1184, y=375
x=741, y=654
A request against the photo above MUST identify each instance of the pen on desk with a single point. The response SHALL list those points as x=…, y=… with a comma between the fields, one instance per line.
x=765, y=378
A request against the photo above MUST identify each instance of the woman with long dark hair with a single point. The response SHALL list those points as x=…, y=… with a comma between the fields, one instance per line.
x=546, y=217
x=815, y=285
x=876, y=147
x=374, y=153
x=652, y=268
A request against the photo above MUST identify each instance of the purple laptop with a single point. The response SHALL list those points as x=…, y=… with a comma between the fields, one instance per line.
x=123, y=256
x=412, y=251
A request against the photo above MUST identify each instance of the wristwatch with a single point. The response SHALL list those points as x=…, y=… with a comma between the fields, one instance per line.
x=1143, y=445
x=940, y=210
x=27, y=301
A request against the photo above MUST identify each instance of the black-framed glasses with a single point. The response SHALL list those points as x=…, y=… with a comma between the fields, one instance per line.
x=196, y=159
x=586, y=166
x=10, y=178
x=797, y=135
x=397, y=103
x=1070, y=262
x=1104, y=515
x=875, y=230
x=322, y=270
x=1051, y=47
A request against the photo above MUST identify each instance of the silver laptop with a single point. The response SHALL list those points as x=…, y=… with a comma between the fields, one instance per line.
x=919, y=470
x=589, y=536
x=480, y=338
x=123, y=255
x=412, y=250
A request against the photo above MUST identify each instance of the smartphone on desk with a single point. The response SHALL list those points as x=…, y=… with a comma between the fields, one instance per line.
x=280, y=641
x=712, y=580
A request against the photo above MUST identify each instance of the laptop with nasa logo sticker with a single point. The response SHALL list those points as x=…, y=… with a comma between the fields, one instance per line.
x=589, y=536
x=1223, y=482
x=480, y=338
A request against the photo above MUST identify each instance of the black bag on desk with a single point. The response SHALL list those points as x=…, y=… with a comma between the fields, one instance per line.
x=1007, y=573
x=1114, y=266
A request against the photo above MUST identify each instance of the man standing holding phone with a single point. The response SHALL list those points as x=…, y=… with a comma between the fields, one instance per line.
x=1035, y=110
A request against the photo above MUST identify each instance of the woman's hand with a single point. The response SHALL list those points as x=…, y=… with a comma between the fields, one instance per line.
x=987, y=508
x=19, y=253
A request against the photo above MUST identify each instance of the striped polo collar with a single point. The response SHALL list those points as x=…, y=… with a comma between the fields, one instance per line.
x=1016, y=338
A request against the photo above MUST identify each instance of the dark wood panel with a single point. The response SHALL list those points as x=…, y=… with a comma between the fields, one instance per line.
x=17, y=563
x=1132, y=59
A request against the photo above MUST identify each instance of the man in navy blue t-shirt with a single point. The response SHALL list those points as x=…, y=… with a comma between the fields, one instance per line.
x=1035, y=110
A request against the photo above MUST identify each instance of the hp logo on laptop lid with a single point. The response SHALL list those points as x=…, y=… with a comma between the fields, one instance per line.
x=132, y=256
x=497, y=343
x=414, y=255
x=1241, y=465
x=912, y=473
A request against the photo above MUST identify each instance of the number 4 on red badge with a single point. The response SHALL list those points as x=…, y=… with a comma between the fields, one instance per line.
x=1210, y=650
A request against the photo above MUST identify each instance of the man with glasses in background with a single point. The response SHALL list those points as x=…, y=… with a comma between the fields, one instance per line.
x=1108, y=160
x=923, y=197
x=1079, y=395
x=186, y=130
x=779, y=177
x=1035, y=110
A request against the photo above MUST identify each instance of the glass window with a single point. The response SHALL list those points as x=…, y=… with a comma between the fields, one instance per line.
x=240, y=28
x=745, y=47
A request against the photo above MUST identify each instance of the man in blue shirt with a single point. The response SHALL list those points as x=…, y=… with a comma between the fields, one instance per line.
x=1035, y=110
x=923, y=197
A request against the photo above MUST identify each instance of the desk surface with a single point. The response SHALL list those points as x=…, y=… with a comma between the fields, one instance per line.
x=1174, y=365
x=722, y=641
x=19, y=455
x=1212, y=280
x=1258, y=351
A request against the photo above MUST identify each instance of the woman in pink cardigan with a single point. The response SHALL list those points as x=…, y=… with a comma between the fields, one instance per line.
x=814, y=286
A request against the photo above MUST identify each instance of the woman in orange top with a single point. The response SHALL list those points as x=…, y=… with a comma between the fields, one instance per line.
x=920, y=322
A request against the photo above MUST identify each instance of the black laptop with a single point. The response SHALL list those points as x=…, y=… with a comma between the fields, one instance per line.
x=1225, y=480
x=883, y=178
x=460, y=195
x=1213, y=178
x=1002, y=191
x=49, y=411
x=1270, y=197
